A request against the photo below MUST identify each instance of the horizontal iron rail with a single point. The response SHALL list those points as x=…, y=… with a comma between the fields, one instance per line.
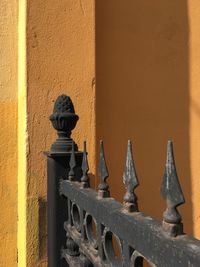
x=139, y=231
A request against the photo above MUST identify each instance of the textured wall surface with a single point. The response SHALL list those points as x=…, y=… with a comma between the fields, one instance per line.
x=148, y=89
x=60, y=60
x=8, y=133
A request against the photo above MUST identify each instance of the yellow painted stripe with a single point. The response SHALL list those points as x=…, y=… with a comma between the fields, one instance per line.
x=22, y=134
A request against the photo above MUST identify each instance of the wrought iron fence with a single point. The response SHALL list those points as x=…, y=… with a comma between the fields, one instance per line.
x=83, y=223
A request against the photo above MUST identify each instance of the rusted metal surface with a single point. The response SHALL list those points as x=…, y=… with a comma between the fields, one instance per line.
x=85, y=169
x=103, y=174
x=131, y=182
x=82, y=223
x=171, y=191
x=138, y=231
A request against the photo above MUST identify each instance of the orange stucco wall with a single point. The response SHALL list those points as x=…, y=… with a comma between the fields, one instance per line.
x=60, y=60
x=147, y=72
x=148, y=89
x=8, y=133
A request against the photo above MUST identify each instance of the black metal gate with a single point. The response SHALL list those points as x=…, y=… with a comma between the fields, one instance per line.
x=83, y=223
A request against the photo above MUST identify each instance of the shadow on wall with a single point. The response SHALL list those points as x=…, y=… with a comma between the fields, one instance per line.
x=142, y=94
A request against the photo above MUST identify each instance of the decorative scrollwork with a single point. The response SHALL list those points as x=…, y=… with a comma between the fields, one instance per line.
x=114, y=257
x=76, y=218
x=137, y=260
x=91, y=229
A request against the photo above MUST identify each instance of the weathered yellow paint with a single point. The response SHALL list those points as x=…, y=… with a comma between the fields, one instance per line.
x=22, y=136
x=8, y=133
x=8, y=183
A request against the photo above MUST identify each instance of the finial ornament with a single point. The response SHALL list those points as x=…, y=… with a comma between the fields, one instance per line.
x=172, y=193
x=103, y=173
x=64, y=121
x=131, y=181
x=72, y=164
x=85, y=169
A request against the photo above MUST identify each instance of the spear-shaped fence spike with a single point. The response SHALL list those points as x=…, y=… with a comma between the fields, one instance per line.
x=103, y=173
x=85, y=169
x=72, y=164
x=172, y=193
x=131, y=181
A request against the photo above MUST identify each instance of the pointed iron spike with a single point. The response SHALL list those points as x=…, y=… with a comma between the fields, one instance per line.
x=85, y=169
x=103, y=167
x=72, y=164
x=84, y=161
x=103, y=173
x=170, y=153
x=131, y=181
x=172, y=193
x=130, y=172
x=171, y=188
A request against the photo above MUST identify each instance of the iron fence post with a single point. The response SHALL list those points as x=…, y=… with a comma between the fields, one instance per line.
x=58, y=159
